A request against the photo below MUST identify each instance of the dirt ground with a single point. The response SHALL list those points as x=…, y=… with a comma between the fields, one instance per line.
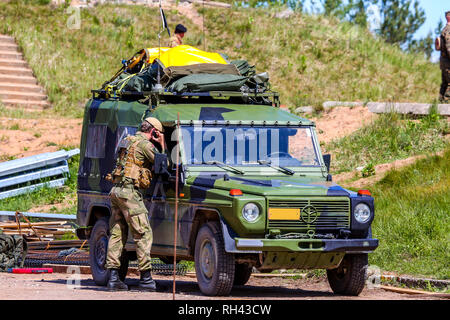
x=341, y=121
x=26, y=137
x=55, y=286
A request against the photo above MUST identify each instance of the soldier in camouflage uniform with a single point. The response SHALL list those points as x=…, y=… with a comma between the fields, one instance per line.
x=445, y=61
x=132, y=173
x=176, y=39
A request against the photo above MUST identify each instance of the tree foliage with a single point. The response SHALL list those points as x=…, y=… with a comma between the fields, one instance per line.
x=351, y=10
x=400, y=19
x=424, y=45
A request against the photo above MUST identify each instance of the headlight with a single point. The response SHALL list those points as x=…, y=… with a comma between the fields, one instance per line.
x=362, y=213
x=250, y=212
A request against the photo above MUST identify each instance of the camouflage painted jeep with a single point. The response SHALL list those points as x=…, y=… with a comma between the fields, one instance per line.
x=255, y=190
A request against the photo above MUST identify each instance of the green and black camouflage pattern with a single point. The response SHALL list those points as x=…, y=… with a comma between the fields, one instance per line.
x=206, y=189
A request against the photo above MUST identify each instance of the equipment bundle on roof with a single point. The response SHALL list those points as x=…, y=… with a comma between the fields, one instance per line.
x=184, y=69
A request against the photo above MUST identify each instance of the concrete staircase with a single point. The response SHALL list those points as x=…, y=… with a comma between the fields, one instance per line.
x=18, y=86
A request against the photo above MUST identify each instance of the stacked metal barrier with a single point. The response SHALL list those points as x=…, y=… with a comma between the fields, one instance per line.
x=28, y=174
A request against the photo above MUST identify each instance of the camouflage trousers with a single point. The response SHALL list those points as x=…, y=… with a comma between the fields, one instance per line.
x=129, y=213
x=444, y=94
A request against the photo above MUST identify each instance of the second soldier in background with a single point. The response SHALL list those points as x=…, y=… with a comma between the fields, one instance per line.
x=444, y=46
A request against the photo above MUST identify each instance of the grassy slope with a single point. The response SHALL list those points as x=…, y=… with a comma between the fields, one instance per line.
x=412, y=219
x=312, y=58
x=69, y=63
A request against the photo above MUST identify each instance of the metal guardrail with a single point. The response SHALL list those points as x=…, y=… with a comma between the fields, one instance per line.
x=25, y=175
x=11, y=215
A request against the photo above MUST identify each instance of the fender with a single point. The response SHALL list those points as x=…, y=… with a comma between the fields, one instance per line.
x=230, y=243
x=227, y=233
x=106, y=210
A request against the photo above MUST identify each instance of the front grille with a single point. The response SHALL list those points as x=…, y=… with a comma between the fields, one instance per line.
x=331, y=214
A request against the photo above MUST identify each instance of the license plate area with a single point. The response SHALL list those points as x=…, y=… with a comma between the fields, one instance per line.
x=286, y=214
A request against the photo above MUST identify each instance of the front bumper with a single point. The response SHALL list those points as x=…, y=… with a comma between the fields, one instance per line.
x=307, y=245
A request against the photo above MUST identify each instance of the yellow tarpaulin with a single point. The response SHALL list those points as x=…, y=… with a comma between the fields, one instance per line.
x=153, y=53
x=183, y=55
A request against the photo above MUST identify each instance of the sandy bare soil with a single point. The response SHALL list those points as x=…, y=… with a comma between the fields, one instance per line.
x=55, y=286
x=341, y=121
x=26, y=137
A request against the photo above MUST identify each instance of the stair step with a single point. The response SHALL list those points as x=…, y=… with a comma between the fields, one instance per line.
x=15, y=71
x=17, y=79
x=9, y=47
x=13, y=63
x=10, y=55
x=6, y=39
x=25, y=103
x=6, y=86
x=29, y=96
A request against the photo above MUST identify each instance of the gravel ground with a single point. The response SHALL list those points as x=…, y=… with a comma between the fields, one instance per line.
x=55, y=287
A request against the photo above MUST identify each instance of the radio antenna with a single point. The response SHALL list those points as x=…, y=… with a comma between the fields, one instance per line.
x=203, y=26
x=164, y=27
x=175, y=220
x=159, y=47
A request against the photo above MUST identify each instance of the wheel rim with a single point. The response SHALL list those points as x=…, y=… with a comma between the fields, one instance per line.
x=207, y=259
x=100, y=251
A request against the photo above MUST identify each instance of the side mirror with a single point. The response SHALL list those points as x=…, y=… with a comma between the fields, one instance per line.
x=327, y=161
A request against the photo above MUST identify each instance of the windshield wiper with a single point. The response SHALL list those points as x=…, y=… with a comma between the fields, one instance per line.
x=224, y=165
x=279, y=168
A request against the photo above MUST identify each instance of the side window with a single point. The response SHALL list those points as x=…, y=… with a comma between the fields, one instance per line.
x=96, y=138
x=122, y=133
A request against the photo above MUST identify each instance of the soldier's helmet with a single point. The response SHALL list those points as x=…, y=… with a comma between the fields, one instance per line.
x=155, y=123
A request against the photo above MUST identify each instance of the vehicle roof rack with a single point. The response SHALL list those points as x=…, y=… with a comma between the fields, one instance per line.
x=164, y=96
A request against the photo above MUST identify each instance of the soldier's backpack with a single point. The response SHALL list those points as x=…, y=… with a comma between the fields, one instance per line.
x=13, y=250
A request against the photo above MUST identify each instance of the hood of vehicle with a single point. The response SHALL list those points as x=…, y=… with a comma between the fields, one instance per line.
x=276, y=186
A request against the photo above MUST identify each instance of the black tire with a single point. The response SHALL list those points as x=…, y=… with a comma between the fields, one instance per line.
x=350, y=277
x=213, y=266
x=242, y=273
x=98, y=249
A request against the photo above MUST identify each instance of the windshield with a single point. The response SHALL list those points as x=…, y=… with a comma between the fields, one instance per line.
x=243, y=146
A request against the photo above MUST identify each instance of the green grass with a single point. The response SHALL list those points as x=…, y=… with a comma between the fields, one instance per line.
x=47, y=196
x=412, y=219
x=388, y=138
x=70, y=62
x=17, y=113
x=310, y=58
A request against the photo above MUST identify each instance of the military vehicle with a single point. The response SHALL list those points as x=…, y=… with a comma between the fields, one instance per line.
x=255, y=191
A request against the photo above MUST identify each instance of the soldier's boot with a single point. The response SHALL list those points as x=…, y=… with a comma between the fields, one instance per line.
x=146, y=282
x=114, y=283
